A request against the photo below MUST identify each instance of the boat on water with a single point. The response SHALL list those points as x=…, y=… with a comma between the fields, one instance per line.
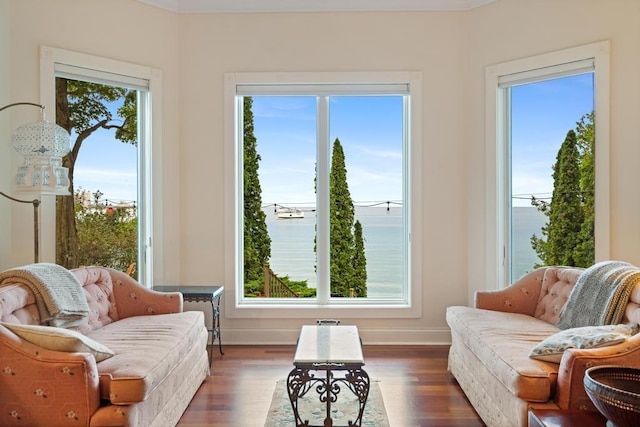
x=289, y=213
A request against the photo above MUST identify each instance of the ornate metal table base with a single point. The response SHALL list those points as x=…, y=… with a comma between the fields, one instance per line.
x=300, y=381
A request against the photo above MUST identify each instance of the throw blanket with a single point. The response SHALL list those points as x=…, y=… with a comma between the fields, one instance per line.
x=58, y=293
x=600, y=295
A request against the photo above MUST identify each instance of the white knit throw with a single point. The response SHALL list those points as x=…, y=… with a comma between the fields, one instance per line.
x=58, y=293
x=600, y=295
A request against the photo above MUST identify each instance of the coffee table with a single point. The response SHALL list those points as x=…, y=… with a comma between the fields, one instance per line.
x=328, y=359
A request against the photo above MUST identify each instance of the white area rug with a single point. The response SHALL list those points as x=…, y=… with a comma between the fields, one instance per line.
x=344, y=410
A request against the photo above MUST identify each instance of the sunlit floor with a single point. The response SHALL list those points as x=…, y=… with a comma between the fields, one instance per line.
x=415, y=385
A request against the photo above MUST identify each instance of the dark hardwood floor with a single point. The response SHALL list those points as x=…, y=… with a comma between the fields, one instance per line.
x=416, y=387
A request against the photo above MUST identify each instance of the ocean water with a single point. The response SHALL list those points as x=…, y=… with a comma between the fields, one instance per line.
x=292, y=246
x=527, y=221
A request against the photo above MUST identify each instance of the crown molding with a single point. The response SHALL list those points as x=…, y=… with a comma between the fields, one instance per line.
x=247, y=6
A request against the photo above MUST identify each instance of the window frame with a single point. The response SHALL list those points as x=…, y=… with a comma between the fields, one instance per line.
x=149, y=141
x=236, y=306
x=497, y=148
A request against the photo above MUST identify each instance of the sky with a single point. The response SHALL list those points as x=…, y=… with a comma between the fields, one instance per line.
x=370, y=131
x=542, y=114
x=107, y=165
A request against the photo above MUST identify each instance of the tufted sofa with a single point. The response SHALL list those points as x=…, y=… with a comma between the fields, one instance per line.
x=491, y=343
x=159, y=363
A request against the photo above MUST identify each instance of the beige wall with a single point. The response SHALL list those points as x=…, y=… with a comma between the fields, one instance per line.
x=451, y=49
x=329, y=42
x=123, y=30
x=5, y=132
x=513, y=29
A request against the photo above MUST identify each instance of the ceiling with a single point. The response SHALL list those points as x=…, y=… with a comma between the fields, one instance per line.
x=229, y=6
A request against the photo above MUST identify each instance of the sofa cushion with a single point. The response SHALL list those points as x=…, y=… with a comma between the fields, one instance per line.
x=18, y=305
x=503, y=342
x=98, y=289
x=556, y=287
x=552, y=348
x=59, y=339
x=147, y=349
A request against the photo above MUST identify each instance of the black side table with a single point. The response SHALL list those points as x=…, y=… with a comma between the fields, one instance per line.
x=210, y=294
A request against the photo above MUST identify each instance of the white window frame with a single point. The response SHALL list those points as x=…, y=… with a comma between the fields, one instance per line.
x=236, y=306
x=497, y=161
x=55, y=62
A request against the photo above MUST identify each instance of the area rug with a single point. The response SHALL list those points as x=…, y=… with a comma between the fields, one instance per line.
x=344, y=410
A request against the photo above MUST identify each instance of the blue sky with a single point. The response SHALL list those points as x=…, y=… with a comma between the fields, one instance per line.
x=108, y=165
x=542, y=114
x=370, y=130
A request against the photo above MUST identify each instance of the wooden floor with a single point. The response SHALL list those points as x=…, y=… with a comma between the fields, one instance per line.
x=416, y=387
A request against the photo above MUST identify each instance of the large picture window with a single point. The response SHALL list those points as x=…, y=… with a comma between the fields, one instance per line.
x=323, y=206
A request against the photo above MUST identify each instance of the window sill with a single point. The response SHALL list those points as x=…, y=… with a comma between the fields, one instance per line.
x=313, y=310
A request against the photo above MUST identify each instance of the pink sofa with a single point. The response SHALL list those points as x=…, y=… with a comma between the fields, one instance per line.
x=491, y=343
x=159, y=363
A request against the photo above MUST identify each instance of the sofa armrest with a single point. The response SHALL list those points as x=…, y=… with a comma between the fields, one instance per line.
x=570, y=393
x=44, y=387
x=130, y=298
x=520, y=297
x=133, y=299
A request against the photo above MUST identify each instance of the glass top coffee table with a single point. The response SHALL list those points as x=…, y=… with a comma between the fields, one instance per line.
x=328, y=359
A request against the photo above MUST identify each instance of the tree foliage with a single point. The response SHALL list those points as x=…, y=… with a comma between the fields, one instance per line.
x=107, y=235
x=82, y=108
x=257, y=243
x=346, y=261
x=568, y=237
x=585, y=251
x=341, y=214
x=359, y=262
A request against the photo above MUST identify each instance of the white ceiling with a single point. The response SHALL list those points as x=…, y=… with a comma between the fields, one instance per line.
x=221, y=6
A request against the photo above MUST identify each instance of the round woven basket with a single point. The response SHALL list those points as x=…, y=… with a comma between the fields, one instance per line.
x=615, y=391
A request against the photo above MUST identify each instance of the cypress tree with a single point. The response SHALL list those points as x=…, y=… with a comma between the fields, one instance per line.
x=565, y=210
x=584, y=253
x=257, y=243
x=341, y=216
x=359, y=262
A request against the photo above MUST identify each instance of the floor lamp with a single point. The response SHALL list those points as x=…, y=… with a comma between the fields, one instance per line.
x=42, y=145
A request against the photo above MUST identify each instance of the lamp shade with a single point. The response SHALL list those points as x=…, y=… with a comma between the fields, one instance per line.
x=42, y=144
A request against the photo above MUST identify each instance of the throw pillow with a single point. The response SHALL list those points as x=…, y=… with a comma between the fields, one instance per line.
x=59, y=339
x=552, y=348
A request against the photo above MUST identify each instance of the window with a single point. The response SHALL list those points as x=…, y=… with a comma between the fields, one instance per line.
x=542, y=117
x=59, y=66
x=523, y=136
x=323, y=189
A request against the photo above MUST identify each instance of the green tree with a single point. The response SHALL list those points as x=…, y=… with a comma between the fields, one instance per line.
x=257, y=243
x=347, y=260
x=341, y=216
x=359, y=262
x=565, y=211
x=81, y=107
x=584, y=252
x=107, y=235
